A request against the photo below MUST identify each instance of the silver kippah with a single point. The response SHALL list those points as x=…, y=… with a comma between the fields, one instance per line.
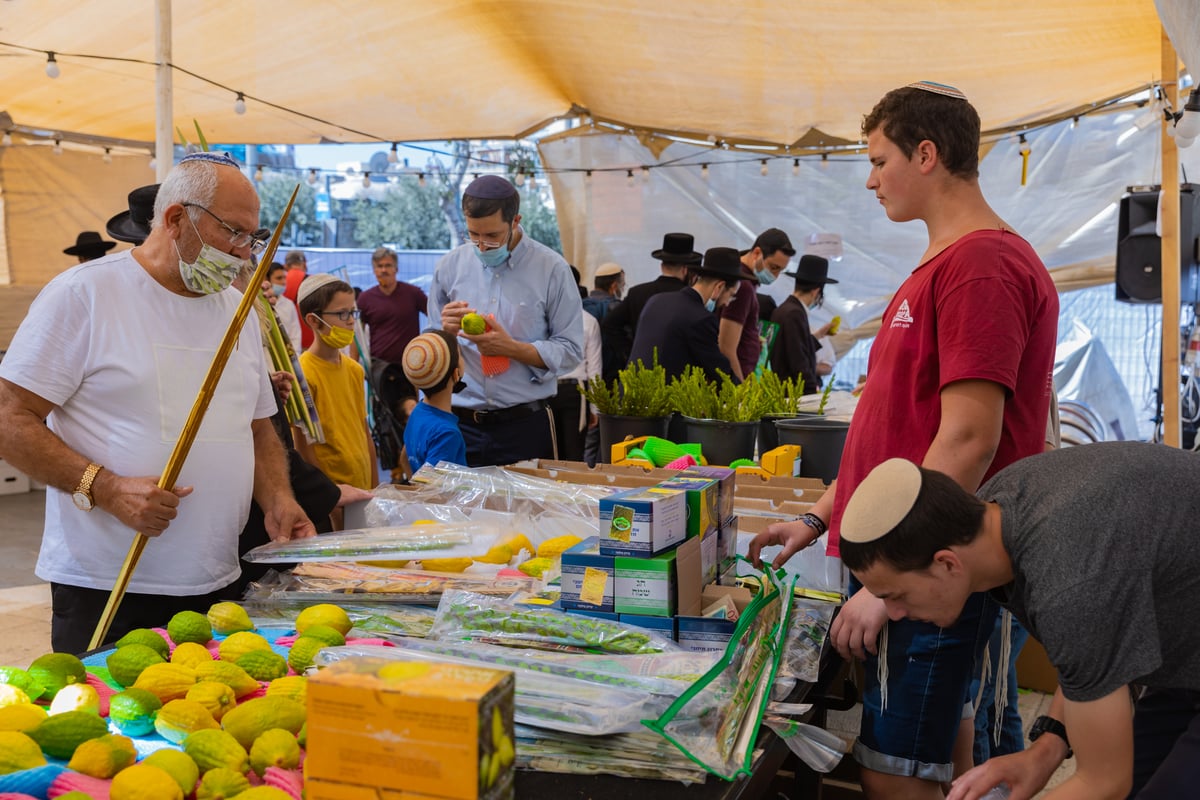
x=938, y=88
x=881, y=501
x=212, y=157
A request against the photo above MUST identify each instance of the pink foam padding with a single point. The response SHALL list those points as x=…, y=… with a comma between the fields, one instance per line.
x=683, y=462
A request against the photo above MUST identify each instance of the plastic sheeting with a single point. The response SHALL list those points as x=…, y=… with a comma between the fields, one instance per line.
x=1083, y=372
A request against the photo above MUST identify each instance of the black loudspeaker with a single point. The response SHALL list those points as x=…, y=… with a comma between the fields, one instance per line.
x=1139, y=247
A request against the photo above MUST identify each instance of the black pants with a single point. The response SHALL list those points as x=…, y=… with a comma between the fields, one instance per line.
x=1166, y=744
x=566, y=406
x=76, y=611
x=499, y=443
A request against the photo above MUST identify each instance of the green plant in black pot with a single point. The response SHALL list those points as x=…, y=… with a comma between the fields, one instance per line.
x=781, y=397
x=637, y=391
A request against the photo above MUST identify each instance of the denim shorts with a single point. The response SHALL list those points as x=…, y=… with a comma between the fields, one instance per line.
x=909, y=723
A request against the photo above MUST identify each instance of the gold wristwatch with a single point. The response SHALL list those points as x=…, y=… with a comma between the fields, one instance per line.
x=83, y=492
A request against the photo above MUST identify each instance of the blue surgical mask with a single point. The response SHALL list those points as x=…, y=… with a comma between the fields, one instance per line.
x=765, y=277
x=278, y=289
x=495, y=257
x=710, y=305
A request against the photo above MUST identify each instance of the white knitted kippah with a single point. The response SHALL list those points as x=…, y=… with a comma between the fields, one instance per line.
x=426, y=360
x=881, y=501
x=312, y=283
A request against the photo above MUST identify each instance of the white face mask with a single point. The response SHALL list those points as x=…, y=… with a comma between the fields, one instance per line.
x=212, y=271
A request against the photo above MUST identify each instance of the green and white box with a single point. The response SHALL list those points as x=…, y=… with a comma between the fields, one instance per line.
x=702, y=496
x=645, y=586
x=642, y=522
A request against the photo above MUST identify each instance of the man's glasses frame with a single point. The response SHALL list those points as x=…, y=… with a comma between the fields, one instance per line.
x=257, y=241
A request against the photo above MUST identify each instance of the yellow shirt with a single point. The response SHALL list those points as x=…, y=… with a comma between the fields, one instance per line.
x=339, y=394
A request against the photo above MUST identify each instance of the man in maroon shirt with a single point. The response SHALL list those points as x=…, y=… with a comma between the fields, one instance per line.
x=391, y=311
x=738, y=336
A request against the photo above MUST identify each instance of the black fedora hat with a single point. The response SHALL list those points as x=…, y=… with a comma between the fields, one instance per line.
x=721, y=262
x=133, y=226
x=812, y=269
x=677, y=248
x=89, y=244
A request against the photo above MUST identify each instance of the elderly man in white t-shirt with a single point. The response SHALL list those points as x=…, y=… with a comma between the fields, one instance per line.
x=95, y=390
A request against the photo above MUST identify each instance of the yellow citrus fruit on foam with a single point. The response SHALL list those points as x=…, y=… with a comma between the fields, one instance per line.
x=251, y=718
x=227, y=618
x=302, y=653
x=179, y=718
x=12, y=696
x=324, y=614
x=76, y=697
x=332, y=637
x=179, y=766
x=189, y=626
x=18, y=752
x=220, y=783
x=60, y=734
x=289, y=687
x=216, y=697
x=166, y=681
x=264, y=793
x=126, y=663
x=21, y=717
x=151, y=638
x=104, y=756
x=189, y=654
x=216, y=748
x=144, y=782
x=238, y=644
x=274, y=748
x=265, y=665
x=56, y=670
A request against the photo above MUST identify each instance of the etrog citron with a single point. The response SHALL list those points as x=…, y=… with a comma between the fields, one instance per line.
x=324, y=614
x=179, y=766
x=144, y=782
x=56, y=670
x=151, y=638
x=126, y=663
x=104, y=756
x=227, y=618
x=132, y=711
x=18, y=752
x=189, y=626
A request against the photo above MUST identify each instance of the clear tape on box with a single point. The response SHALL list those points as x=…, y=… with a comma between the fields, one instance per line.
x=497, y=489
x=465, y=615
x=546, y=699
x=437, y=540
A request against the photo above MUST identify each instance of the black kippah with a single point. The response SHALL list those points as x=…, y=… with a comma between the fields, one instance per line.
x=490, y=187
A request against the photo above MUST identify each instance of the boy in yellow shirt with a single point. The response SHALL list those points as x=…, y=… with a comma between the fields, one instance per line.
x=336, y=382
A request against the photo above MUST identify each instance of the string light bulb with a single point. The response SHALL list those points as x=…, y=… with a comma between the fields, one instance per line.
x=645, y=174
x=153, y=163
x=393, y=156
x=258, y=175
x=1188, y=127
x=239, y=105
x=52, y=69
x=366, y=180
x=795, y=167
x=6, y=141
x=629, y=177
x=421, y=179
x=520, y=178
x=587, y=176
x=312, y=177
x=58, y=147
x=108, y=155
x=824, y=160
x=1074, y=123
x=762, y=170
x=532, y=181
x=704, y=171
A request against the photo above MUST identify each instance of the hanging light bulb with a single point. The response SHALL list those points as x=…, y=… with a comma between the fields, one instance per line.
x=645, y=174
x=366, y=180
x=795, y=167
x=532, y=181
x=629, y=177
x=520, y=178
x=1188, y=126
x=52, y=69
x=239, y=105
x=108, y=155
x=763, y=169
x=704, y=171
x=587, y=176
x=58, y=147
x=153, y=163
x=1074, y=123
x=393, y=156
x=7, y=140
x=312, y=177
x=258, y=175
x=824, y=160
x=421, y=180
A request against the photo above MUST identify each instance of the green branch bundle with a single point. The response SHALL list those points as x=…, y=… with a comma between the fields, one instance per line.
x=693, y=395
x=637, y=391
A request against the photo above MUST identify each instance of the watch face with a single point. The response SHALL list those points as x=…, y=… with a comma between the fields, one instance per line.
x=82, y=501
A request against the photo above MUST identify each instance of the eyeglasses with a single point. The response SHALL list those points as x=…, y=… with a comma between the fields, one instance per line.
x=256, y=241
x=490, y=241
x=344, y=316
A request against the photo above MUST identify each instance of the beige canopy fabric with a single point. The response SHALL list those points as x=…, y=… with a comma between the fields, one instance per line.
x=408, y=70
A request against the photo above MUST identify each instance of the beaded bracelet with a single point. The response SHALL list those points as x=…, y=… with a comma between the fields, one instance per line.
x=815, y=522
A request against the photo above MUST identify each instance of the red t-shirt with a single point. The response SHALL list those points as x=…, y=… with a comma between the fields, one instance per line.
x=394, y=319
x=295, y=277
x=984, y=308
x=743, y=309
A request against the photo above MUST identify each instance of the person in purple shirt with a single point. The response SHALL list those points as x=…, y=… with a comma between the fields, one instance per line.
x=392, y=312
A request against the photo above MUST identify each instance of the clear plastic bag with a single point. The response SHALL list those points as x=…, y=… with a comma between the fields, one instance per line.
x=812, y=569
x=347, y=581
x=497, y=489
x=628, y=755
x=808, y=628
x=816, y=747
x=466, y=615
x=438, y=540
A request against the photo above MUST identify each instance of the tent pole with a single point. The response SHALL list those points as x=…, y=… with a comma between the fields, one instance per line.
x=1169, y=218
x=164, y=134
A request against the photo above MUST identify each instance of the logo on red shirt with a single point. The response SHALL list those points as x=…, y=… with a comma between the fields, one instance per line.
x=903, y=318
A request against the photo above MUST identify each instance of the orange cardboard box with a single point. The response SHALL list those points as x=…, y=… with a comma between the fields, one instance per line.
x=420, y=728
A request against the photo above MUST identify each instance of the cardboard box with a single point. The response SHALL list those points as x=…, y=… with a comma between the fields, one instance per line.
x=610, y=616
x=330, y=790
x=702, y=496
x=727, y=478
x=662, y=586
x=661, y=625
x=421, y=728
x=642, y=522
x=588, y=578
x=1034, y=670
x=727, y=544
x=710, y=559
x=706, y=634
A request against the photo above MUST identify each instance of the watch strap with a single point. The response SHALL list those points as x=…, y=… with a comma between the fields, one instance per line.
x=89, y=477
x=1044, y=724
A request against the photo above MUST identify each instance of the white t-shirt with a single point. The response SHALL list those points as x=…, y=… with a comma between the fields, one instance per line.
x=122, y=359
x=289, y=321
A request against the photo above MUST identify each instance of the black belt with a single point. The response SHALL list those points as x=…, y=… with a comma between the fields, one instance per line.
x=500, y=414
x=571, y=381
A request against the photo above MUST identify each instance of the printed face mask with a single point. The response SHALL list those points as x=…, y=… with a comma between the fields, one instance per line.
x=212, y=271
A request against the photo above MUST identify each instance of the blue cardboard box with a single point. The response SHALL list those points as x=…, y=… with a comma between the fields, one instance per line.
x=642, y=522
x=588, y=577
x=663, y=625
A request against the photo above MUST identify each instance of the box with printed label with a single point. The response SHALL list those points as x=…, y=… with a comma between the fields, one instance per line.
x=646, y=586
x=421, y=728
x=587, y=577
x=663, y=625
x=642, y=522
x=709, y=633
x=702, y=494
x=710, y=561
x=727, y=544
x=726, y=478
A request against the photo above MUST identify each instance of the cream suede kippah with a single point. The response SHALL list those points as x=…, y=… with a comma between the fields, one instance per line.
x=881, y=501
x=312, y=283
x=604, y=270
x=426, y=360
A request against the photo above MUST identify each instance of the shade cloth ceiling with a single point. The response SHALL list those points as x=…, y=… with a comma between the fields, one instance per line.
x=761, y=70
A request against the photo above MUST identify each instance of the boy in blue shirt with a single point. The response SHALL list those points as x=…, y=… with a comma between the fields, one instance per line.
x=431, y=363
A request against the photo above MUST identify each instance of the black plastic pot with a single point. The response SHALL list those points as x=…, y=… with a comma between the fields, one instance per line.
x=768, y=437
x=821, y=441
x=722, y=442
x=614, y=429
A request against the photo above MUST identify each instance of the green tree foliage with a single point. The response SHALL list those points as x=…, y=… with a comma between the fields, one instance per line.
x=273, y=194
x=409, y=215
x=539, y=220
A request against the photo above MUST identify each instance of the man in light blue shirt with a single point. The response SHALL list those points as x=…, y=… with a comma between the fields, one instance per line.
x=535, y=327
